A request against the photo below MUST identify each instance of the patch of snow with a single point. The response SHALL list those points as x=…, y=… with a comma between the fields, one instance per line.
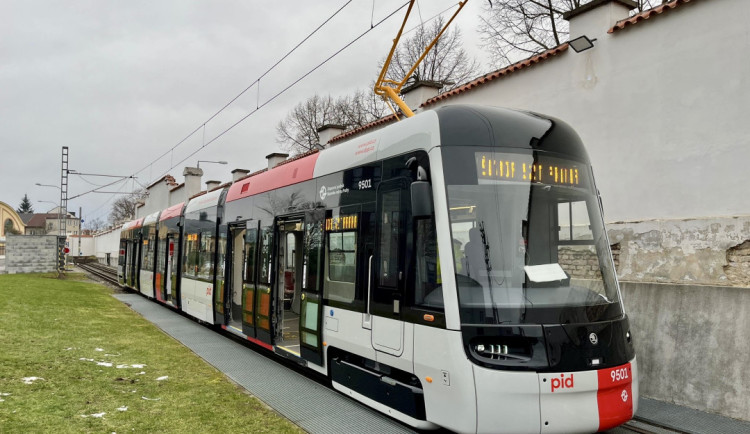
x=4, y=394
x=69, y=348
x=150, y=399
x=98, y=349
x=123, y=408
x=162, y=378
x=30, y=380
x=126, y=366
x=107, y=364
x=86, y=360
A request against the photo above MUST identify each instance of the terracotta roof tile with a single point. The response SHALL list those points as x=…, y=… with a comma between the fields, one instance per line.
x=635, y=19
x=297, y=157
x=373, y=124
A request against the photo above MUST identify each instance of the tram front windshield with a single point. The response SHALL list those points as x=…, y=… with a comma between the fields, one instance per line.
x=529, y=245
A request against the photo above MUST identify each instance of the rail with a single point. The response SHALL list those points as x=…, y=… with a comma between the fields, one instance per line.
x=644, y=426
x=103, y=272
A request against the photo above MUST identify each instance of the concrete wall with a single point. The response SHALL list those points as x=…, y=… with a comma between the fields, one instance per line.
x=87, y=245
x=31, y=254
x=692, y=344
x=107, y=242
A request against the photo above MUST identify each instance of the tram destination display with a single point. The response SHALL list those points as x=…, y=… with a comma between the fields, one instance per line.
x=494, y=166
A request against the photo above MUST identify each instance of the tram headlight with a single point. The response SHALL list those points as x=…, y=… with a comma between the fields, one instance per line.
x=503, y=349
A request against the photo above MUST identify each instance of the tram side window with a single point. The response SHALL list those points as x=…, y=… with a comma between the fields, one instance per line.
x=389, y=239
x=222, y=252
x=341, y=272
x=427, y=271
x=147, y=263
x=206, y=266
x=199, y=254
x=121, y=253
x=161, y=255
x=313, y=252
x=251, y=240
x=264, y=260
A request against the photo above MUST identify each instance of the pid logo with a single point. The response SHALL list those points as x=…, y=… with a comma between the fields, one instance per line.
x=562, y=382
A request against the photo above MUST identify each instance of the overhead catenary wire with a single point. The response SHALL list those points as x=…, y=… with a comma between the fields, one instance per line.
x=282, y=91
x=257, y=81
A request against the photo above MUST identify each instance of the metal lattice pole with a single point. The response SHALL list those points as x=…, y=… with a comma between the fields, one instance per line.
x=63, y=210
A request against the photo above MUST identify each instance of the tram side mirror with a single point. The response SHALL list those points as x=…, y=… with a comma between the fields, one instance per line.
x=421, y=199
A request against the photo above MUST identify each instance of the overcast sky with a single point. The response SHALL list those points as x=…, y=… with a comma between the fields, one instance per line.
x=122, y=82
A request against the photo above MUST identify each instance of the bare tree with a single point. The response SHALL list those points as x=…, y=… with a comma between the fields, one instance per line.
x=298, y=132
x=360, y=108
x=95, y=225
x=446, y=63
x=123, y=209
x=515, y=29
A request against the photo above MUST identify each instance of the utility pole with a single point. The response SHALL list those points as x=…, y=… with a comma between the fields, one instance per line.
x=63, y=211
x=80, y=220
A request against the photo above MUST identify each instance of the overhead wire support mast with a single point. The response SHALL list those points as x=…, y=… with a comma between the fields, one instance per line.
x=390, y=89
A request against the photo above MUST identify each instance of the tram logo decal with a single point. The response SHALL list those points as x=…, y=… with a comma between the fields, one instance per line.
x=332, y=191
x=562, y=382
x=594, y=338
x=624, y=396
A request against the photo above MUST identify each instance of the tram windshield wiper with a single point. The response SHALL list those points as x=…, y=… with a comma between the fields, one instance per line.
x=488, y=266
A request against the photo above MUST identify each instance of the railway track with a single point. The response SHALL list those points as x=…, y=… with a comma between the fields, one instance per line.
x=103, y=272
x=643, y=426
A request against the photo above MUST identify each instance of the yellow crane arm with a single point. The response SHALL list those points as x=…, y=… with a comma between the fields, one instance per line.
x=390, y=89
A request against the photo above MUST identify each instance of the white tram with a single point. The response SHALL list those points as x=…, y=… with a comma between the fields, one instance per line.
x=451, y=270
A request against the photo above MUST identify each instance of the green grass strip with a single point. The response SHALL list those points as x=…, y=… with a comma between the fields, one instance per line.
x=100, y=367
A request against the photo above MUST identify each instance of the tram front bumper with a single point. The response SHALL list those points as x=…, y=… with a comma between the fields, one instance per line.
x=529, y=402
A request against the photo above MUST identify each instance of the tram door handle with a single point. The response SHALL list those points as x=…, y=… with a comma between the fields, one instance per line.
x=366, y=318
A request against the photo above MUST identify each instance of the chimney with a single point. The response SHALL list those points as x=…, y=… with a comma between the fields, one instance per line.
x=595, y=18
x=210, y=185
x=274, y=159
x=415, y=94
x=239, y=173
x=192, y=180
x=327, y=132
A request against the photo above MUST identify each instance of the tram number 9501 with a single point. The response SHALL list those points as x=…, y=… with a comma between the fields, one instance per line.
x=619, y=374
x=365, y=184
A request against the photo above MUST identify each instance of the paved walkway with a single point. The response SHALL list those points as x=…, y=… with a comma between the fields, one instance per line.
x=312, y=406
x=319, y=409
x=688, y=420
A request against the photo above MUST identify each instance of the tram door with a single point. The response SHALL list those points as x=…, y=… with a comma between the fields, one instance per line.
x=298, y=263
x=122, y=267
x=130, y=256
x=289, y=268
x=235, y=276
x=170, y=274
x=388, y=272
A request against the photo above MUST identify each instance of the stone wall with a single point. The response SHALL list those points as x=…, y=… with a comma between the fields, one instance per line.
x=31, y=254
x=737, y=269
x=692, y=344
x=705, y=251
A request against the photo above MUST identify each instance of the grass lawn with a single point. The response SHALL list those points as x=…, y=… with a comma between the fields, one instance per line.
x=74, y=359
